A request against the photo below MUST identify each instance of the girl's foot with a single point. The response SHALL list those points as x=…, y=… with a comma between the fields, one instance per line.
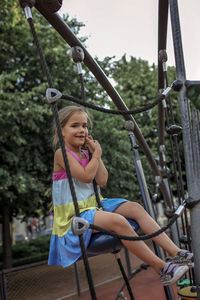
x=182, y=258
x=171, y=273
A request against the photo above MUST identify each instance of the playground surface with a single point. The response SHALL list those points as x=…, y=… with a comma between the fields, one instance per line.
x=145, y=285
x=56, y=283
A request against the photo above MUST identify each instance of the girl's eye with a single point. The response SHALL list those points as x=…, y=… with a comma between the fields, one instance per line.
x=85, y=126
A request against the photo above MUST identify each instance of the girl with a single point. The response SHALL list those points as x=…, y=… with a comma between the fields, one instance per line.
x=64, y=246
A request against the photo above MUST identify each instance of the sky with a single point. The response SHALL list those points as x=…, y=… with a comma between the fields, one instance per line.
x=118, y=27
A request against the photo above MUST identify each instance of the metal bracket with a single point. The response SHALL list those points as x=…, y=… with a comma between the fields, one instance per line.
x=190, y=202
x=158, y=179
x=53, y=95
x=78, y=57
x=129, y=125
x=77, y=54
x=79, y=225
x=162, y=55
x=25, y=3
x=179, y=210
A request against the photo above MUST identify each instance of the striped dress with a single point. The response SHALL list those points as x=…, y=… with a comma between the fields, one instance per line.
x=64, y=246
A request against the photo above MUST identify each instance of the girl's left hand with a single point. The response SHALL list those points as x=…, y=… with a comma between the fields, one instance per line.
x=90, y=144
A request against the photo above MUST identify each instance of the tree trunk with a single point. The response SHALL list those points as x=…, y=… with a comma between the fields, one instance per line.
x=7, y=250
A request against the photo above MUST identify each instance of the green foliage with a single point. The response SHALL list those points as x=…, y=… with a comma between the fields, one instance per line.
x=193, y=94
x=136, y=82
x=25, y=117
x=29, y=251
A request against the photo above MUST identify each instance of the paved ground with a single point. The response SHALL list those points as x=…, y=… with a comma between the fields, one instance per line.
x=145, y=286
x=55, y=283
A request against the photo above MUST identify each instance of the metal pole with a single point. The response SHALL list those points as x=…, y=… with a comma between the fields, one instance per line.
x=162, y=41
x=169, y=293
x=3, y=286
x=191, y=144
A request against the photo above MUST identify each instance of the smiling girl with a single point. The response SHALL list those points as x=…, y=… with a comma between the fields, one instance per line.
x=64, y=246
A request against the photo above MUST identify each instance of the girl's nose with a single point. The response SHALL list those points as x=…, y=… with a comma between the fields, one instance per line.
x=82, y=129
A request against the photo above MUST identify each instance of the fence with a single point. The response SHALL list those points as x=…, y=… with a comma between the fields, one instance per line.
x=40, y=281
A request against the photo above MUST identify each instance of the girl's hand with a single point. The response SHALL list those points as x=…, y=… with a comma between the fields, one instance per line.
x=93, y=146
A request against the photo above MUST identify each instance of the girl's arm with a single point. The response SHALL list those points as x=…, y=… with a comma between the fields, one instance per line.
x=102, y=174
x=86, y=174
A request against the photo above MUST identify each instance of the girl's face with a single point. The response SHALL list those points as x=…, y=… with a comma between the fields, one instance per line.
x=75, y=130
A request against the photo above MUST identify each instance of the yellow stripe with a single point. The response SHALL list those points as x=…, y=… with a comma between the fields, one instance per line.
x=63, y=214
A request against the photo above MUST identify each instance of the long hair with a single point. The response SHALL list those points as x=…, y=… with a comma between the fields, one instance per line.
x=64, y=114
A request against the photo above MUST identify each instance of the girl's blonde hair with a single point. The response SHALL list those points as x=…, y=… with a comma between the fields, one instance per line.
x=64, y=114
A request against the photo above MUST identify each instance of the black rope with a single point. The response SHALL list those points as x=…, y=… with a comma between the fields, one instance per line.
x=61, y=141
x=134, y=238
x=42, y=58
x=90, y=155
x=141, y=268
x=97, y=194
x=112, y=111
x=126, y=280
x=55, y=113
x=62, y=144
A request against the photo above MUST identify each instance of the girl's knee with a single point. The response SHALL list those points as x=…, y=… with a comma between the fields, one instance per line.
x=135, y=205
x=121, y=225
x=118, y=220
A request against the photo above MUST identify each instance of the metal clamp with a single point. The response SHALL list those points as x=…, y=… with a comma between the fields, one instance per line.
x=158, y=179
x=179, y=210
x=129, y=125
x=53, y=95
x=77, y=54
x=78, y=57
x=79, y=225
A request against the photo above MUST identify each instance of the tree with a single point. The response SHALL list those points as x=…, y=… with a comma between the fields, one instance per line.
x=136, y=82
x=25, y=117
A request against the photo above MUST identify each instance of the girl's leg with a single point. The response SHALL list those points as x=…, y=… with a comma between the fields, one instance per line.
x=135, y=211
x=117, y=223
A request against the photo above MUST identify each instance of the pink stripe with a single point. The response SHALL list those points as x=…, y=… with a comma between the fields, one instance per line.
x=62, y=173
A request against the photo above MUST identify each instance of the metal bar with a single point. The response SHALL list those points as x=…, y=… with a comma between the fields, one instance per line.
x=193, y=181
x=3, y=286
x=126, y=280
x=162, y=37
x=77, y=279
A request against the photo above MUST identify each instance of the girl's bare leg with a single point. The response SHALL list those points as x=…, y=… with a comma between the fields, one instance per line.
x=117, y=223
x=135, y=211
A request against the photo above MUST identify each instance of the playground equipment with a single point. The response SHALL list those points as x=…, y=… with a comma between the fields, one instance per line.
x=189, y=118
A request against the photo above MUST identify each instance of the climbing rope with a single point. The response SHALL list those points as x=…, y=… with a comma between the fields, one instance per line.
x=62, y=145
x=80, y=225
x=176, y=86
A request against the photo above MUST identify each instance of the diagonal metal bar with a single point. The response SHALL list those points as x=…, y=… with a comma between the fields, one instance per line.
x=63, y=29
